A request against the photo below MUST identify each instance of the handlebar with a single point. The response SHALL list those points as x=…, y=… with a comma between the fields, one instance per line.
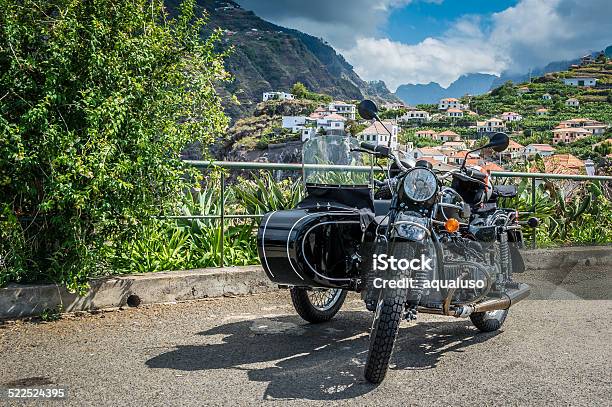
x=377, y=149
x=383, y=151
x=368, y=146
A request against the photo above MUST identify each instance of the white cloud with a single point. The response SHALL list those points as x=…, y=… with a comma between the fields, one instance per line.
x=464, y=49
x=536, y=32
x=530, y=34
x=339, y=22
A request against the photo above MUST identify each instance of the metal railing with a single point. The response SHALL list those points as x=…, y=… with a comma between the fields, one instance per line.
x=236, y=165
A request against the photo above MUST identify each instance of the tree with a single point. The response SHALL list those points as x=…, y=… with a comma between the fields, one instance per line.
x=299, y=90
x=98, y=100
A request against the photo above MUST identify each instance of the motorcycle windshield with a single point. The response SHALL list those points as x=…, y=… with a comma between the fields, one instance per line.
x=321, y=153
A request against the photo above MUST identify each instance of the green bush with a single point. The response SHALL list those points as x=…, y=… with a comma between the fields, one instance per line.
x=97, y=100
x=300, y=91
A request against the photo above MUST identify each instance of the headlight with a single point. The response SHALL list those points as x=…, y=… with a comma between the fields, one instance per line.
x=420, y=184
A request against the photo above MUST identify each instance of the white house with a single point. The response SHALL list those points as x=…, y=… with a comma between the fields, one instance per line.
x=346, y=110
x=277, y=96
x=546, y=96
x=295, y=123
x=379, y=134
x=596, y=129
x=457, y=157
x=332, y=124
x=578, y=122
x=572, y=102
x=455, y=145
x=542, y=112
x=425, y=152
x=426, y=133
x=454, y=113
x=319, y=112
x=514, y=150
x=544, y=150
x=414, y=116
x=492, y=125
x=394, y=106
x=511, y=117
x=580, y=81
x=448, y=103
x=447, y=135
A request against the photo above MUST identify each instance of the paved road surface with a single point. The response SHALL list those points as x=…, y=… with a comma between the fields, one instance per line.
x=247, y=350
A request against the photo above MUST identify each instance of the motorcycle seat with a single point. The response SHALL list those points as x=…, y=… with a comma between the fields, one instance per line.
x=381, y=207
x=505, y=191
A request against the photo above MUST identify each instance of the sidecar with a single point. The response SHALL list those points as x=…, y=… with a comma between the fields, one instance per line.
x=320, y=242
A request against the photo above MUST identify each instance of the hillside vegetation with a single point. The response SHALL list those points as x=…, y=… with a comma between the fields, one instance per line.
x=526, y=99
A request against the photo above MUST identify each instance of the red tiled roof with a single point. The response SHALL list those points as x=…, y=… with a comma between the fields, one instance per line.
x=563, y=164
x=334, y=116
x=488, y=167
x=514, y=144
x=542, y=147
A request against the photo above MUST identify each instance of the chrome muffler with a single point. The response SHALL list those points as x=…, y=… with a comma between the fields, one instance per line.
x=508, y=299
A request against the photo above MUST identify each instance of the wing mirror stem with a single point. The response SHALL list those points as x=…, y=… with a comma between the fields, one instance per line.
x=385, y=127
x=467, y=155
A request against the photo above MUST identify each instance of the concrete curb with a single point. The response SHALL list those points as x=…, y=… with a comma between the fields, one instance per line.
x=18, y=301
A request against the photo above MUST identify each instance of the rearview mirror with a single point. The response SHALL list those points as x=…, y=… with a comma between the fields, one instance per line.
x=499, y=142
x=367, y=109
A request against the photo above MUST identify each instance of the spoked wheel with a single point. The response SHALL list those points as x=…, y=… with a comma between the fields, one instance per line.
x=317, y=305
x=489, y=321
x=385, y=326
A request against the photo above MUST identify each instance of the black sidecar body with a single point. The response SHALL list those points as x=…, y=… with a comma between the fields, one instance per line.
x=320, y=243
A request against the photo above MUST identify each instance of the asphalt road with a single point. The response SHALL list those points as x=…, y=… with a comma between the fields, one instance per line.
x=248, y=350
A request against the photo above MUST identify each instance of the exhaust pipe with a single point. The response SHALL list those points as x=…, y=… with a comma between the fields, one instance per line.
x=509, y=298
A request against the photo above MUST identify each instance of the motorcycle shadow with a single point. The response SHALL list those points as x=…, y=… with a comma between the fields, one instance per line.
x=315, y=362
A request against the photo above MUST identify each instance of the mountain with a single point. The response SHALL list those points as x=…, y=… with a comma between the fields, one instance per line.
x=267, y=57
x=556, y=66
x=473, y=84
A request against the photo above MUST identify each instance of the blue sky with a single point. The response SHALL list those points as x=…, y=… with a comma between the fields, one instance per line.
x=419, y=20
x=422, y=41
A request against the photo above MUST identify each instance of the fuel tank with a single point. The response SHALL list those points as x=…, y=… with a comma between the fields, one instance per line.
x=311, y=248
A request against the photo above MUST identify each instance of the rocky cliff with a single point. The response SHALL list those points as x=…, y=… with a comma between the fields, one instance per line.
x=267, y=57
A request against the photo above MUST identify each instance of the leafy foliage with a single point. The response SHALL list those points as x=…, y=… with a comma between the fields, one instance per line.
x=98, y=100
x=301, y=92
x=581, y=216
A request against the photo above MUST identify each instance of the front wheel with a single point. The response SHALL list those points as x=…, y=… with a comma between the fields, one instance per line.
x=317, y=305
x=489, y=321
x=389, y=312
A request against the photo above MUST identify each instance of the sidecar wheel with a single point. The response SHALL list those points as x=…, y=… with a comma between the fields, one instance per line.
x=489, y=321
x=317, y=305
x=386, y=324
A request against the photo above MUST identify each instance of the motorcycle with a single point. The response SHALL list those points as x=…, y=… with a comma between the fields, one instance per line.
x=425, y=242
